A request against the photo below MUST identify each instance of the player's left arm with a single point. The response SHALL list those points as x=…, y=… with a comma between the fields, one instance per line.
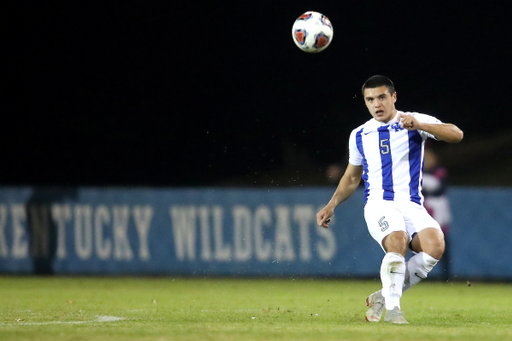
x=447, y=132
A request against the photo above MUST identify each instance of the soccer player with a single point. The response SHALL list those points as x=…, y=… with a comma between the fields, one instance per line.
x=387, y=152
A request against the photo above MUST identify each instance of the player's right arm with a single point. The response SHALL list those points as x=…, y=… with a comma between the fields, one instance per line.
x=347, y=186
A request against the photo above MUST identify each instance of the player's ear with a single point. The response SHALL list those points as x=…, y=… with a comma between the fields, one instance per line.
x=394, y=97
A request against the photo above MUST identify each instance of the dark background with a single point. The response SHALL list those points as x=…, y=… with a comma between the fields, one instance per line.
x=168, y=93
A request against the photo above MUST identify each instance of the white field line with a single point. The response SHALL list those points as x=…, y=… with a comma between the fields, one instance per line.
x=100, y=318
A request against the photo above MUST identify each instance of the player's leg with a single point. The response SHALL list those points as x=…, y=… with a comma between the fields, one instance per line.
x=396, y=242
x=428, y=244
x=386, y=225
x=392, y=274
x=429, y=240
x=446, y=259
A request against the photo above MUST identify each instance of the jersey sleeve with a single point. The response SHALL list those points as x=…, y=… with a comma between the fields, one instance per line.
x=423, y=118
x=354, y=156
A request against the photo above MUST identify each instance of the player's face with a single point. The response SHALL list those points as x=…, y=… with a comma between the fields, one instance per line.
x=380, y=103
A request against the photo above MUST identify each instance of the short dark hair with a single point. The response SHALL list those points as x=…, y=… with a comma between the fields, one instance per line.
x=377, y=81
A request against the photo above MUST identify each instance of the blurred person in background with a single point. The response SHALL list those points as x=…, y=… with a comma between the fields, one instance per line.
x=437, y=203
x=41, y=225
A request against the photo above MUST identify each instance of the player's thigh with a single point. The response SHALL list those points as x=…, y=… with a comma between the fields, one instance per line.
x=382, y=218
x=417, y=218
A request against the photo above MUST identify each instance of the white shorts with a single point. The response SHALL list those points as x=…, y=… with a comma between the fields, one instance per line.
x=384, y=217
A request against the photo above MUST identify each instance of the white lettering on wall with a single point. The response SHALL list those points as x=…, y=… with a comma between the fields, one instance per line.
x=284, y=244
x=262, y=220
x=251, y=234
x=103, y=245
x=122, y=249
x=184, y=231
x=222, y=250
x=303, y=215
x=200, y=233
x=61, y=215
x=242, y=232
x=100, y=232
x=204, y=218
x=83, y=231
x=143, y=216
x=19, y=242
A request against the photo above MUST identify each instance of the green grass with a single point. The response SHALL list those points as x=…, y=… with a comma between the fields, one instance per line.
x=71, y=308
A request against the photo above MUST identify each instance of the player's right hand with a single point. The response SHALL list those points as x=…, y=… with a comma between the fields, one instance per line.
x=408, y=122
x=323, y=217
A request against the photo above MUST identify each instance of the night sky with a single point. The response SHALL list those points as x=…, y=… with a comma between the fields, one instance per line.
x=167, y=93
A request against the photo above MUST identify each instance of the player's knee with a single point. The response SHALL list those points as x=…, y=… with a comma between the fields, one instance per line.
x=396, y=242
x=436, y=245
x=430, y=241
x=393, y=262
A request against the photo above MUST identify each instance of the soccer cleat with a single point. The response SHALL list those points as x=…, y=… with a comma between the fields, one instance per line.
x=375, y=302
x=395, y=316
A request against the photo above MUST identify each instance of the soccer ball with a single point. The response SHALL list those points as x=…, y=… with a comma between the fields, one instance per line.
x=312, y=32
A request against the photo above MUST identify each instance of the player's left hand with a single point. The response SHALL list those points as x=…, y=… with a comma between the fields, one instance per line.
x=323, y=218
x=408, y=122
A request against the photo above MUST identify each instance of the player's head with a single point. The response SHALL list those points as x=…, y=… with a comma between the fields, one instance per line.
x=380, y=96
x=378, y=81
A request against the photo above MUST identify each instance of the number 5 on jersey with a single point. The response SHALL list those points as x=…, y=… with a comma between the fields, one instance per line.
x=384, y=146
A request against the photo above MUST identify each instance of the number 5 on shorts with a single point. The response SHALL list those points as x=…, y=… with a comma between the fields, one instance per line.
x=383, y=224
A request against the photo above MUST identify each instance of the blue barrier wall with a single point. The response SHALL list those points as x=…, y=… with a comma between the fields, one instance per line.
x=234, y=232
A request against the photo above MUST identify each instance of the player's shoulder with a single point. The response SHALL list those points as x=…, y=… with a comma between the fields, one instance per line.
x=412, y=113
x=422, y=117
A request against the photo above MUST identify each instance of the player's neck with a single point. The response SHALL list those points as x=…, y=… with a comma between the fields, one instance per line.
x=393, y=115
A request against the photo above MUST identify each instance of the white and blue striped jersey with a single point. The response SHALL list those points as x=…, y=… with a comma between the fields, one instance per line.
x=392, y=158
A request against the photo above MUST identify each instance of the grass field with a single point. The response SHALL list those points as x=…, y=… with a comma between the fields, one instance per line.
x=92, y=308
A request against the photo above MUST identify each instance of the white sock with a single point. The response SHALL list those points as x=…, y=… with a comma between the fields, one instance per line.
x=418, y=268
x=392, y=275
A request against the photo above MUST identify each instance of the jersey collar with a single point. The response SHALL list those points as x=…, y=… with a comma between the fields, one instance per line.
x=391, y=122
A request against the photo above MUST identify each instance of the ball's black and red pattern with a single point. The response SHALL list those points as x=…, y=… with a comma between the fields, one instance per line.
x=321, y=40
x=300, y=36
x=305, y=16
